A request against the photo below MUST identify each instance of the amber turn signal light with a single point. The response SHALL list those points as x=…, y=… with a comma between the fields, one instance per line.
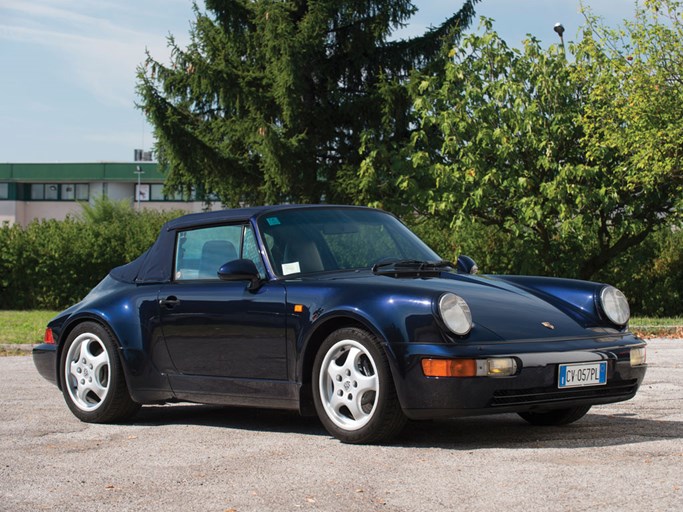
x=491, y=367
x=449, y=367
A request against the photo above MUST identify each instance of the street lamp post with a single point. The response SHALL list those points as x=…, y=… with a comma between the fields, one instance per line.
x=560, y=30
x=138, y=170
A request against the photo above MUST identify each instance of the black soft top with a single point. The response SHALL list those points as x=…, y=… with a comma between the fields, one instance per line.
x=156, y=264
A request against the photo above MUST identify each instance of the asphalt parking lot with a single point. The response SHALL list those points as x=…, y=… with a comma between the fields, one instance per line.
x=626, y=456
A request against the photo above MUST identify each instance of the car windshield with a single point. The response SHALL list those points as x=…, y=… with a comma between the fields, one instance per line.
x=306, y=240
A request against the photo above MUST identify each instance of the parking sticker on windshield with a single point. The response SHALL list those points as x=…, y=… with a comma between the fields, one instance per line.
x=290, y=268
x=273, y=221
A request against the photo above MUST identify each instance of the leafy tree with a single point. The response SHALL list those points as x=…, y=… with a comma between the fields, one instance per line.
x=577, y=156
x=632, y=123
x=270, y=98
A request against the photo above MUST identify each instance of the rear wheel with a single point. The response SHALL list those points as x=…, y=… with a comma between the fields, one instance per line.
x=556, y=416
x=353, y=390
x=92, y=378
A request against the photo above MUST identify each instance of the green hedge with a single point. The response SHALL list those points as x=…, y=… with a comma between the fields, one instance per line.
x=52, y=264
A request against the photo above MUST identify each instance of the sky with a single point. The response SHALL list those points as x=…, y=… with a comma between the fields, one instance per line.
x=68, y=67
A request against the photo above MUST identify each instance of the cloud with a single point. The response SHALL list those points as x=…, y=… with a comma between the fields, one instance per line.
x=93, y=42
x=101, y=66
x=37, y=12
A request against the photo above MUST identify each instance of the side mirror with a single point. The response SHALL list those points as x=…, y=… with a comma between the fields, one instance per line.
x=240, y=270
x=466, y=265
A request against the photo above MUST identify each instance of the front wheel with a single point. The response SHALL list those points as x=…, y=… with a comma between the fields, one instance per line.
x=92, y=378
x=353, y=390
x=556, y=417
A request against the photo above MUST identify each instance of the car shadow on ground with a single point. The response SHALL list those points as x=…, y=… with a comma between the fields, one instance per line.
x=484, y=432
x=241, y=418
x=510, y=431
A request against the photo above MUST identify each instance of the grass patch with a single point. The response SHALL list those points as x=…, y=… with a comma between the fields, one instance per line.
x=18, y=327
x=643, y=321
x=651, y=327
x=6, y=350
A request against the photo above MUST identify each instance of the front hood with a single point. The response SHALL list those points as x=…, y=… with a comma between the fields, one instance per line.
x=513, y=313
x=500, y=310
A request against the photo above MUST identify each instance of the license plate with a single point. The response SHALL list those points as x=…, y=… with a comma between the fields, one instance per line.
x=582, y=374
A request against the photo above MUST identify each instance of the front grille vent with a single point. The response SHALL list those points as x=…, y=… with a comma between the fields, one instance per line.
x=544, y=395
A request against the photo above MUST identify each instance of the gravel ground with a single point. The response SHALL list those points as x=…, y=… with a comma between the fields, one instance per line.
x=626, y=457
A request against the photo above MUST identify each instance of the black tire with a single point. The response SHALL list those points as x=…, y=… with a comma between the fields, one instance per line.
x=356, y=398
x=556, y=417
x=92, y=378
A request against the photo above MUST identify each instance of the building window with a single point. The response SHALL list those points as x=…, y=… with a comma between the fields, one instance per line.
x=57, y=192
x=82, y=192
x=52, y=192
x=68, y=192
x=157, y=194
x=4, y=190
x=37, y=192
x=142, y=192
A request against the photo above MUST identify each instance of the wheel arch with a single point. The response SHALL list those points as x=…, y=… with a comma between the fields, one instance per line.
x=314, y=340
x=69, y=327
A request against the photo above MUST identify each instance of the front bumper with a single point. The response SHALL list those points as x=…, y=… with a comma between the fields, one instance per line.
x=45, y=360
x=533, y=388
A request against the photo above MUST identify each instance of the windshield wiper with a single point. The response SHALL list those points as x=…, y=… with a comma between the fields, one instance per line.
x=410, y=267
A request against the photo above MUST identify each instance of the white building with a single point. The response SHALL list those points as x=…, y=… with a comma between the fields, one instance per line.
x=54, y=190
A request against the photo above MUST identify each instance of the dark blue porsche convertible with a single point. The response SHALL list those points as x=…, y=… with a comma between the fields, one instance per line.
x=340, y=311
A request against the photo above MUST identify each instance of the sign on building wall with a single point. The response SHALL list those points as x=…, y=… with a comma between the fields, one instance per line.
x=142, y=192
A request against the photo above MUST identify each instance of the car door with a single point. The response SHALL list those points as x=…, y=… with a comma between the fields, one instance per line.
x=214, y=328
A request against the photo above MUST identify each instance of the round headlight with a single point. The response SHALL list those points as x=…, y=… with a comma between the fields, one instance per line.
x=615, y=305
x=455, y=313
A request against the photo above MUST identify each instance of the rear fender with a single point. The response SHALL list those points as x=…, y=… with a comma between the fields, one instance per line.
x=133, y=320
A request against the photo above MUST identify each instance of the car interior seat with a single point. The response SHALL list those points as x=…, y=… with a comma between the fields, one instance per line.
x=215, y=253
x=305, y=253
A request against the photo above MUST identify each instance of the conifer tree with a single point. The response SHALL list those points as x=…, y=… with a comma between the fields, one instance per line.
x=270, y=99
